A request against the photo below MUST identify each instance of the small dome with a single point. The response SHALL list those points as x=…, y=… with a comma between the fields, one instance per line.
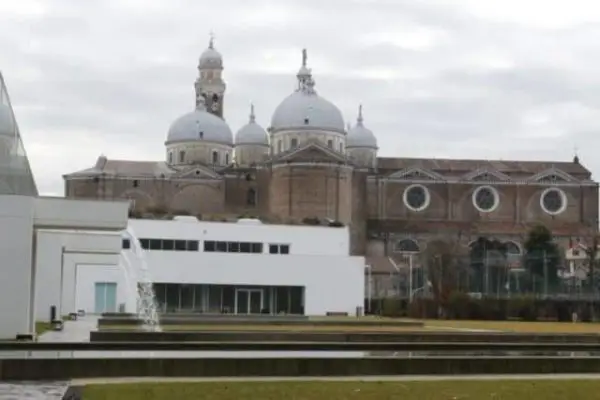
x=7, y=124
x=305, y=108
x=200, y=125
x=252, y=133
x=210, y=58
x=360, y=136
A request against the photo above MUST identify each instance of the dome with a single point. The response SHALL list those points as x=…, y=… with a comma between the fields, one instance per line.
x=252, y=133
x=305, y=108
x=360, y=136
x=7, y=125
x=210, y=58
x=200, y=125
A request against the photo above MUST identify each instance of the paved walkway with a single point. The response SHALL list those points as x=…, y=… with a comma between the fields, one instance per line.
x=73, y=331
x=33, y=390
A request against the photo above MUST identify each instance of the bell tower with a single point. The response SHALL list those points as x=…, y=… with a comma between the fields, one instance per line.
x=210, y=84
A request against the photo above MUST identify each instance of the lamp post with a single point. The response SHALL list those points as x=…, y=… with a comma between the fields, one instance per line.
x=369, y=287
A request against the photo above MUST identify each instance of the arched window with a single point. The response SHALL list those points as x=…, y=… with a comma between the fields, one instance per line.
x=407, y=246
x=215, y=157
x=251, y=197
x=294, y=143
x=181, y=156
x=330, y=144
x=170, y=157
x=512, y=248
x=226, y=158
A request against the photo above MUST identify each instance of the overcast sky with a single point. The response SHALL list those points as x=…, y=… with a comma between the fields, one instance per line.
x=511, y=79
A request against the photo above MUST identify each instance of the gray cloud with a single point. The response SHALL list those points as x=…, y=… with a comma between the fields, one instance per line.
x=437, y=78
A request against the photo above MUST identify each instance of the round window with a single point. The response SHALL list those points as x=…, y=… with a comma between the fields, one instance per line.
x=416, y=197
x=553, y=201
x=485, y=199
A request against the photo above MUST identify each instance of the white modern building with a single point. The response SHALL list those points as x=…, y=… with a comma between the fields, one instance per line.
x=243, y=267
x=25, y=218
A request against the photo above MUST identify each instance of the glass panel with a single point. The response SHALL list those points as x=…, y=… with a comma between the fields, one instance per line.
x=187, y=297
x=15, y=172
x=110, y=301
x=214, y=299
x=172, y=297
x=241, y=301
x=255, y=301
x=199, y=293
x=99, y=297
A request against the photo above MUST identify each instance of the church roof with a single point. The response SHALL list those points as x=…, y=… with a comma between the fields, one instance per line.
x=142, y=169
x=448, y=166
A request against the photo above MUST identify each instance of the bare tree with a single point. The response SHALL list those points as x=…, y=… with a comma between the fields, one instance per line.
x=591, y=252
x=443, y=262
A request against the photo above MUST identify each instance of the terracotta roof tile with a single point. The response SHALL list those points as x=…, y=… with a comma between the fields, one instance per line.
x=447, y=166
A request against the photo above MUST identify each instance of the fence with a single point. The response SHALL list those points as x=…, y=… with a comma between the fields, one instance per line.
x=492, y=276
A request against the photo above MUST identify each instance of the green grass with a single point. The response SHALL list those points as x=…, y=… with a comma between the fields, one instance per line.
x=424, y=390
x=41, y=327
x=517, y=326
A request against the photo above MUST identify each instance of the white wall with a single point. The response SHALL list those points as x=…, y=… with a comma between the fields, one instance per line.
x=58, y=255
x=88, y=275
x=16, y=241
x=59, y=212
x=303, y=239
x=332, y=283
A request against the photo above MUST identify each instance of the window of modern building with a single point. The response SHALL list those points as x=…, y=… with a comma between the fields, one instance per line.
x=165, y=244
x=210, y=245
x=232, y=247
x=192, y=245
x=279, y=248
x=222, y=247
x=126, y=244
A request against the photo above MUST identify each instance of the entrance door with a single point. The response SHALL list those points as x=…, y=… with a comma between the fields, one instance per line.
x=105, y=297
x=248, y=301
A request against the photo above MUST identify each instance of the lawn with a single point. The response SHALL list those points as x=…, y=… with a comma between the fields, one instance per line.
x=517, y=326
x=273, y=328
x=400, y=390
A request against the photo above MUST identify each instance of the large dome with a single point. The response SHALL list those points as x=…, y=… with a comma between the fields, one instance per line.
x=303, y=109
x=200, y=125
x=7, y=125
x=360, y=136
x=252, y=133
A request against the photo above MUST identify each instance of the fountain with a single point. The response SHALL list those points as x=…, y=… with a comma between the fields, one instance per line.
x=147, y=309
x=130, y=282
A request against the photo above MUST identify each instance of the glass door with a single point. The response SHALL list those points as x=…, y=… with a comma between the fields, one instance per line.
x=255, y=301
x=242, y=301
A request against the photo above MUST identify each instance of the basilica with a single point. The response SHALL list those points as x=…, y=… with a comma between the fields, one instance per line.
x=309, y=165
